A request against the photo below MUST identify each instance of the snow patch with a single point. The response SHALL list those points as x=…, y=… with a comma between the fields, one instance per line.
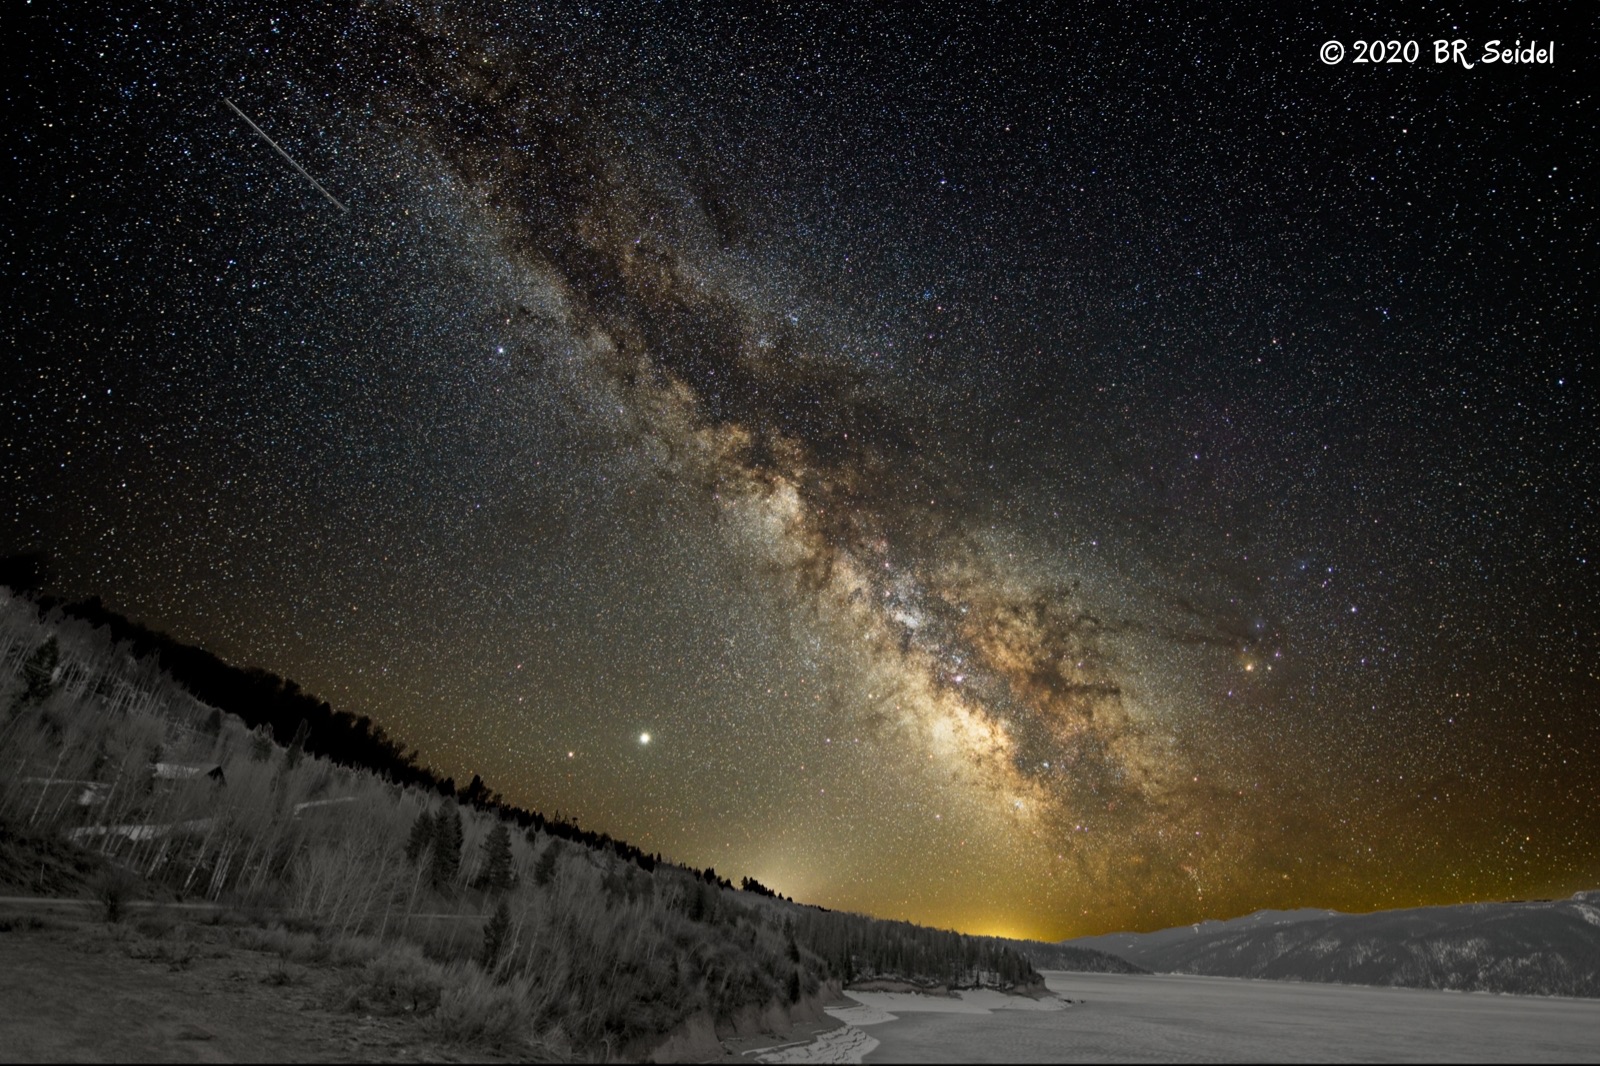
x=862, y=1014
x=850, y=1044
x=844, y=1045
x=974, y=1001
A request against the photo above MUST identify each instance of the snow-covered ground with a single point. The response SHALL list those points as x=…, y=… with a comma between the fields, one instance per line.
x=845, y=1044
x=849, y=1044
x=1174, y=1018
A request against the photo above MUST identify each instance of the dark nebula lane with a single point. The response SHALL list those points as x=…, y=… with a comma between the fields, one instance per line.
x=1031, y=475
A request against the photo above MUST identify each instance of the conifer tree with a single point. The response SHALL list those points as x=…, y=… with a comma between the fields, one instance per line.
x=476, y=793
x=545, y=870
x=447, y=837
x=495, y=934
x=422, y=831
x=497, y=874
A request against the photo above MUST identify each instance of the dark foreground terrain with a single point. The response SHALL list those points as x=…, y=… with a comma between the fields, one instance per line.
x=208, y=988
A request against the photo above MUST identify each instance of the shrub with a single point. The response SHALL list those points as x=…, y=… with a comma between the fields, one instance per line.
x=115, y=888
x=354, y=950
x=178, y=955
x=155, y=926
x=283, y=974
x=27, y=922
x=401, y=980
x=485, y=1014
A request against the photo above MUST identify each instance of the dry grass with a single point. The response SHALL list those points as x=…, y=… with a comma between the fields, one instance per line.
x=400, y=979
x=480, y=1012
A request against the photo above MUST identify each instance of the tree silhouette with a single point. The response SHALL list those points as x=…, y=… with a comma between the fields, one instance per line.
x=545, y=869
x=476, y=793
x=495, y=933
x=447, y=839
x=421, y=837
x=40, y=674
x=497, y=874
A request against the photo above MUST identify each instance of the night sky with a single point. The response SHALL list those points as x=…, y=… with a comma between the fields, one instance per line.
x=1039, y=474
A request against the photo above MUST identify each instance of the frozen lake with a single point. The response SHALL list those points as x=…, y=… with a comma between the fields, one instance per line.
x=1200, y=1019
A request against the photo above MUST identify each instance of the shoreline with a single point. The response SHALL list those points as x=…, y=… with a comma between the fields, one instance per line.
x=844, y=1038
x=1169, y=1017
x=749, y=1049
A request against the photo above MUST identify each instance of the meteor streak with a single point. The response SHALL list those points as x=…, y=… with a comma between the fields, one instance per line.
x=286, y=158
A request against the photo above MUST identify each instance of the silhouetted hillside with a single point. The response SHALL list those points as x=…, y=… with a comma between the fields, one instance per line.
x=261, y=698
x=547, y=937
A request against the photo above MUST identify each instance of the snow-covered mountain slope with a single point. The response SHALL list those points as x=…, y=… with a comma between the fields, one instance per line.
x=1538, y=947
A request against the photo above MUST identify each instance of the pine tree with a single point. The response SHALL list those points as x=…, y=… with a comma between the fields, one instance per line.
x=545, y=870
x=495, y=934
x=476, y=793
x=421, y=836
x=497, y=874
x=447, y=837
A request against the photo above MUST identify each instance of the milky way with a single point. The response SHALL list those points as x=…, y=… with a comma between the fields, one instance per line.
x=1031, y=477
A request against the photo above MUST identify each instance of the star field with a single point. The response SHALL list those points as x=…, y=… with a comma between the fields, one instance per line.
x=1030, y=472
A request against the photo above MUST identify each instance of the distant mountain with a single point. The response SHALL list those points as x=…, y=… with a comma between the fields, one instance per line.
x=1146, y=949
x=1528, y=947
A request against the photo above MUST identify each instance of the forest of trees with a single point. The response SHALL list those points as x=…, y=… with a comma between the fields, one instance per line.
x=300, y=719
